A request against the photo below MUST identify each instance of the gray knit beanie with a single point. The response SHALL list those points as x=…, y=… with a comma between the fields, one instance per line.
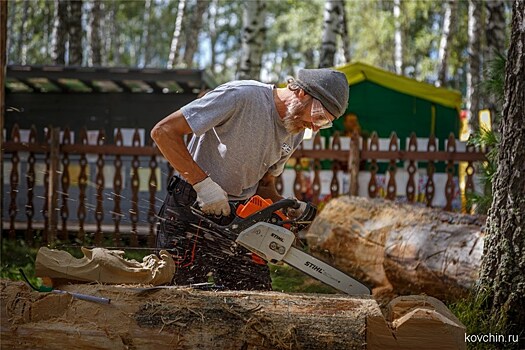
x=328, y=86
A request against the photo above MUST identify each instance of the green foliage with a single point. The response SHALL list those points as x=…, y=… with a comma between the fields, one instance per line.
x=16, y=254
x=289, y=280
x=130, y=36
x=488, y=139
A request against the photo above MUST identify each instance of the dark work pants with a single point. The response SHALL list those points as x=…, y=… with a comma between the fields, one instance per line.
x=201, y=254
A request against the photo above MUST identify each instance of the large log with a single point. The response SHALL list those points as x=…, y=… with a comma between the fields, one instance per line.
x=182, y=318
x=400, y=248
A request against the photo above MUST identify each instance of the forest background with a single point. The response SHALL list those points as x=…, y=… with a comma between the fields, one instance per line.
x=445, y=43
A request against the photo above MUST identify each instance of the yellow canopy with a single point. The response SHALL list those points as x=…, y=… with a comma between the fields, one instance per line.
x=358, y=72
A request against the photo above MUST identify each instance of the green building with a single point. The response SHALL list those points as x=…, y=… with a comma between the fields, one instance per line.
x=385, y=102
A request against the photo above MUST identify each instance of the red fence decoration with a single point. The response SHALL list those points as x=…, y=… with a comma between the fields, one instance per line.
x=121, y=206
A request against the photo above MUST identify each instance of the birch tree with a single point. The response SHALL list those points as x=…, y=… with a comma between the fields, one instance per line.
x=95, y=38
x=145, y=36
x=331, y=23
x=496, y=38
x=252, y=39
x=502, y=278
x=22, y=34
x=449, y=27
x=193, y=31
x=345, y=37
x=474, y=69
x=398, y=39
x=75, y=33
x=60, y=32
x=175, y=40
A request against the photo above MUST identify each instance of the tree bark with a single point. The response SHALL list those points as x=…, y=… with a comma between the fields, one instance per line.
x=95, y=38
x=193, y=31
x=183, y=318
x=75, y=33
x=495, y=34
x=502, y=274
x=474, y=70
x=332, y=18
x=252, y=39
x=175, y=39
x=449, y=28
x=345, y=37
x=398, y=39
x=22, y=34
x=60, y=32
x=399, y=249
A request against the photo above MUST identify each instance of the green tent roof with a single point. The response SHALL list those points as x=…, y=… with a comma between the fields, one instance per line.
x=358, y=72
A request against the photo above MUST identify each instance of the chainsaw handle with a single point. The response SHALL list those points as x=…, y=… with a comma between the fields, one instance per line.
x=239, y=224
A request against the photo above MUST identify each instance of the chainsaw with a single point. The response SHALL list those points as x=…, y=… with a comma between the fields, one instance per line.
x=262, y=227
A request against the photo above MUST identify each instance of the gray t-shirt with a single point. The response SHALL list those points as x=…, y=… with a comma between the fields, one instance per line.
x=245, y=118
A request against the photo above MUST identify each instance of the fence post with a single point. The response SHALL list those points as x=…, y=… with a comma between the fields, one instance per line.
x=353, y=164
x=52, y=200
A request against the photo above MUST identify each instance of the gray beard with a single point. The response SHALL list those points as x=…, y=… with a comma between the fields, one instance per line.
x=292, y=115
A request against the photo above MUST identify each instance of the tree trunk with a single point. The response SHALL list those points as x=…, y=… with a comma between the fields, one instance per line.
x=75, y=33
x=399, y=249
x=345, y=37
x=183, y=318
x=96, y=40
x=212, y=28
x=22, y=35
x=60, y=32
x=175, y=39
x=496, y=39
x=398, y=39
x=252, y=39
x=449, y=29
x=474, y=70
x=332, y=17
x=194, y=29
x=503, y=267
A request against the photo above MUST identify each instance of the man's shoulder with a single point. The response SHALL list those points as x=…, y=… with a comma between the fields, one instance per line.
x=247, y=84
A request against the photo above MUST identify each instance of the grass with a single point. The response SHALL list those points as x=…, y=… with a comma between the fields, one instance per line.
x=17, y=255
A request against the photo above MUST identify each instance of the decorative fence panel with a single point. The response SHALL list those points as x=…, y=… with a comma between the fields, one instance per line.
x=65, y=187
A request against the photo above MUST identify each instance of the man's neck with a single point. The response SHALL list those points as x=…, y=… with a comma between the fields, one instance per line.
x=280, y=97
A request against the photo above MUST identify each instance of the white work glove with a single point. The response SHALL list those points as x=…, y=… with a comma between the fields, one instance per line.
x=212, y=198
x=296, y=213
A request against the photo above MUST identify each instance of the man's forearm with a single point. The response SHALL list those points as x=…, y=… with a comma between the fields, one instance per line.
x=267, y=188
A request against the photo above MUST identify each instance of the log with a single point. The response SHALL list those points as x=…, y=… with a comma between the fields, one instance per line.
x=139, y=317
x=181, y=318
x=398, y=248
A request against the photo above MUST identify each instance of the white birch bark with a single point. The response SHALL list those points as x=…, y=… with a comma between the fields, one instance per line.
x=345, y=37
x=474, y=66
x=252, y=39
x=175, y=41
x=144, y=39
x=449, y=25
x=332, y=15
x=398, y=39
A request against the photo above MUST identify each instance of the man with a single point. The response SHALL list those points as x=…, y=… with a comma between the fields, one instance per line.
x=244, y=132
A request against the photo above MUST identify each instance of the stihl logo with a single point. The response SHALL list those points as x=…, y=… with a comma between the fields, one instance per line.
x=277, y=237
x=313, y=267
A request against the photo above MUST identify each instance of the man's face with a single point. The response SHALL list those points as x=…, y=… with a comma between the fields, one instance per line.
x=295, y=113
x=306, y=114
